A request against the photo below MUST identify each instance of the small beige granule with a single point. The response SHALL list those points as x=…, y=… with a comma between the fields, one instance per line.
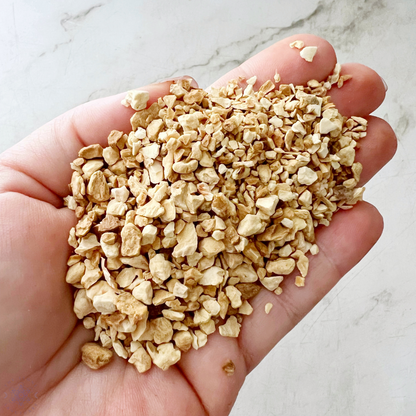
x=276, y=78
x=298, y=44
x=95, y=356
x=308, y=53
x=268, y=307
x=229, y=368
x=136, y=99
x=299, y=281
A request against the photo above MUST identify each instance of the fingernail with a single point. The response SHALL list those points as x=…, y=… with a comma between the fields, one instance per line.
x=172, y=79
x=385, y=84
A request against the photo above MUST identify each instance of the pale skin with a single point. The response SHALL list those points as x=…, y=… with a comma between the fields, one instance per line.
x=40, y=368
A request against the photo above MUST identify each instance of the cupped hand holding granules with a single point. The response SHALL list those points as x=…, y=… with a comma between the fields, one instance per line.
x=210, y=197
x=200, y=222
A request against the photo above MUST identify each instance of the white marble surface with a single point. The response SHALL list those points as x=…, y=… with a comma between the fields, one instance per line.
x=355, y=353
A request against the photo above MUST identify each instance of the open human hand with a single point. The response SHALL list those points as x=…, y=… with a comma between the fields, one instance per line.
x=40, y=368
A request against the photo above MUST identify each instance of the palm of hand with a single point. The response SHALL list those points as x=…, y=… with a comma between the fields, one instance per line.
x=40, y=362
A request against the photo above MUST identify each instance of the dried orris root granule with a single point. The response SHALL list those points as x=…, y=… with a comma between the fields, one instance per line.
x=210, y=197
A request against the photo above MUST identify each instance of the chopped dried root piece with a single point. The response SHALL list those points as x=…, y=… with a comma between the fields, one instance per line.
x=268, y=307
x=300, y=281
x=210, y=198
x=308, y=53
x=248, y=290
x=231, y=328
x=164, y=356
x=95, y=356
x=136, y=99
x=298, y=44
x=281, y=266
x=141, y=360
x=276, y=78
x=183, y=340
x=229, y=368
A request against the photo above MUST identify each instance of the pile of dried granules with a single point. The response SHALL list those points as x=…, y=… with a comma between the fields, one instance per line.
x=210, y=197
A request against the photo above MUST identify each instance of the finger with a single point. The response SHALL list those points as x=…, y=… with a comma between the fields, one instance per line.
x=14, y=181
x=45, y=155
x=206, y=370
x=35, y=300
x=287, y=62
x=376, y=149
x=46, y=377
x=360, y=95
x=119, y=389
x=342, y=245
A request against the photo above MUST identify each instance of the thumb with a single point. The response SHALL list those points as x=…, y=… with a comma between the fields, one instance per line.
x=43, y=158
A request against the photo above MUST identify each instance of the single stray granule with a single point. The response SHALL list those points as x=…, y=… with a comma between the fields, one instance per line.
x=308, y=53
x=136, y=99
x=268, y=307
x=300, y=281
x=95, y=356
x=208, y=199
x=276, y=77
x=298, y=44
x=229, y=368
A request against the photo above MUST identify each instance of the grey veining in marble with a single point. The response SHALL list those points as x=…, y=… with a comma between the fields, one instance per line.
x=354, y=353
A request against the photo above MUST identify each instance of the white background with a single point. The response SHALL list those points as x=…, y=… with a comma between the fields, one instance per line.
x=355, y=353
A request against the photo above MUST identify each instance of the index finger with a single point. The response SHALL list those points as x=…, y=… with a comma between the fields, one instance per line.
x=359, y=96
x=286, y=61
